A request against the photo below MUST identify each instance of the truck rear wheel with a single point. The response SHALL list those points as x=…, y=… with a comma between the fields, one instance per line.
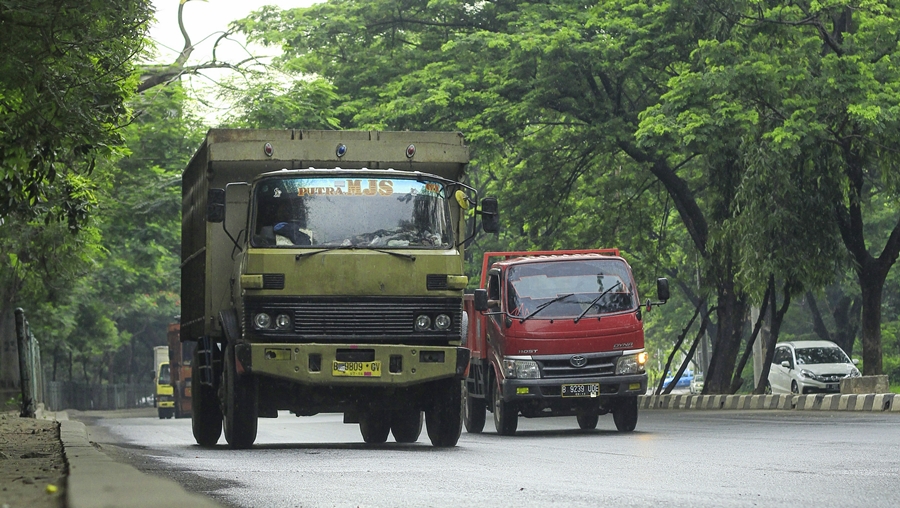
x=506, y=414
x=443, y=419
x=406, y=425
x=475, y=409
x=206, y=415
x=240, y=405
x=625, y=414
x=374, y=426
x=587, y=420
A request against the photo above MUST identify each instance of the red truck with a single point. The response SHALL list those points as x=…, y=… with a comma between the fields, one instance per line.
x=180, y=354
x=556, y=333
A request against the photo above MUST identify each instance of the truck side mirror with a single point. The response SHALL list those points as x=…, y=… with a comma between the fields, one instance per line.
x=481, y=300
x=490, y=215
x=662, y=289
x=215, y=205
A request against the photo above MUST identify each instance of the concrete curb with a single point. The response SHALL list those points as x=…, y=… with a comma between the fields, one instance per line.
x=97, y=481
x=880, y=402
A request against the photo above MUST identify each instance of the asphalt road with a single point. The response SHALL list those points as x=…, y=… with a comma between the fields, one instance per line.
x=674, y=458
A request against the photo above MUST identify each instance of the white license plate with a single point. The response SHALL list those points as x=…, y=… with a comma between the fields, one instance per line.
x=581, y=390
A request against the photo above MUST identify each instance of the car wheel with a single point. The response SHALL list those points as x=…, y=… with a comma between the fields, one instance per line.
x=794, y=388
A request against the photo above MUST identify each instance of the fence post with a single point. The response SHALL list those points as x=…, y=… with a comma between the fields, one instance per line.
x=26, y=376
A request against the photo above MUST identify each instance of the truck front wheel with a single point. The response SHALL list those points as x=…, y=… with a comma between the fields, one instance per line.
x=506, y=414
x=443, y=419
x=587, y=420
x=475, y=409
x=625, y=414
x=206, y=415
x=240, y=405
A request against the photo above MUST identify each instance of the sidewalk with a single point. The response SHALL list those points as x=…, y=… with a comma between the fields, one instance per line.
x=48, y=462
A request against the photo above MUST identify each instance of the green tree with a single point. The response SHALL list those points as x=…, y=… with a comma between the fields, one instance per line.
x=66, y=71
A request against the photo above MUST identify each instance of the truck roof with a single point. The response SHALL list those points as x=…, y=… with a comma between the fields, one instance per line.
x=519, y=257
x=256, y=151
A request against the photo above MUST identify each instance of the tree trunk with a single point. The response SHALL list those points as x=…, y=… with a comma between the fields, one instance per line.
x=730, y=312
x=846, y=314
x=818, y=323
x=871, y=283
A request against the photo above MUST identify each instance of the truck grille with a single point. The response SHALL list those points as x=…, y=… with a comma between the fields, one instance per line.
x=559, y=366
x=336, y=318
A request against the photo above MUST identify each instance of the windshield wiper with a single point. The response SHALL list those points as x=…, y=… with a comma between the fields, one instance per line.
x=595, y=300
x=353, y=247
x=545, y=305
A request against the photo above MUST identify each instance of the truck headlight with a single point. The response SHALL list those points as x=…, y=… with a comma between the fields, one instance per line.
x=631, y=364
x=282, y=322
x=522, y=369
x=442, y=322
x=423, y=323
x=262, y=321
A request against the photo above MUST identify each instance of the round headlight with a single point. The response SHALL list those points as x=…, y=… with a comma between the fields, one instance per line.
x=262, y=321
x=423, y=323
x=442, y=322
x=282, y=322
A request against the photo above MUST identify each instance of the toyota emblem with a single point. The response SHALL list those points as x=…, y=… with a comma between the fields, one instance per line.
x=578, y=361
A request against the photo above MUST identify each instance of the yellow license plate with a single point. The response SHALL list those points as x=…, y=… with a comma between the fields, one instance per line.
x=356, y=369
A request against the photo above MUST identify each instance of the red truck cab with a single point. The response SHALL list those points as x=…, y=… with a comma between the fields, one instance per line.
x=556, y=333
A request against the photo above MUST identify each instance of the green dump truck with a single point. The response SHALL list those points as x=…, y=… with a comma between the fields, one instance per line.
x=322, y=272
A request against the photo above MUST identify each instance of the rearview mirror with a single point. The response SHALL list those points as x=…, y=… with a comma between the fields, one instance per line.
x=481, y=300
x=490, y=215
x=786, y=364
x=215, y=205
x=662, y=289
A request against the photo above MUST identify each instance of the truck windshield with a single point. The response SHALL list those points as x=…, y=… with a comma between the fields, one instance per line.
x=533, y=284
x=350, y=212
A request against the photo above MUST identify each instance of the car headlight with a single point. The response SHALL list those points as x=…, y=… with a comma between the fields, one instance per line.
x=442, y=322
x=522, y=369
x=855, y=373
x=631, y=364
x=423, y=323
x=808, y=374
x=262, y=321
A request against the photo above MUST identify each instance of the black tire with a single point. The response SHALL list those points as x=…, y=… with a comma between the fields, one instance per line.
x=625, y=414
x=375, y=426
x=240, y=408
x=162, y=413
x=206, y=414
x=444, y=419
x=587, y=420
x=506, y=414
x=794, y=388
x=406, y=425
x=474, y=416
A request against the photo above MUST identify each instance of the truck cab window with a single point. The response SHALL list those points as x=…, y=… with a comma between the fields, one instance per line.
x=346, y=212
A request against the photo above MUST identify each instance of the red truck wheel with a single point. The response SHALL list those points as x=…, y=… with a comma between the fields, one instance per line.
x=625, y=414
x=506, y=414
x=474, y=417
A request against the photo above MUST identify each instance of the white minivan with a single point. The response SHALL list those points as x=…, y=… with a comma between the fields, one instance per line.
x=809, y=366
